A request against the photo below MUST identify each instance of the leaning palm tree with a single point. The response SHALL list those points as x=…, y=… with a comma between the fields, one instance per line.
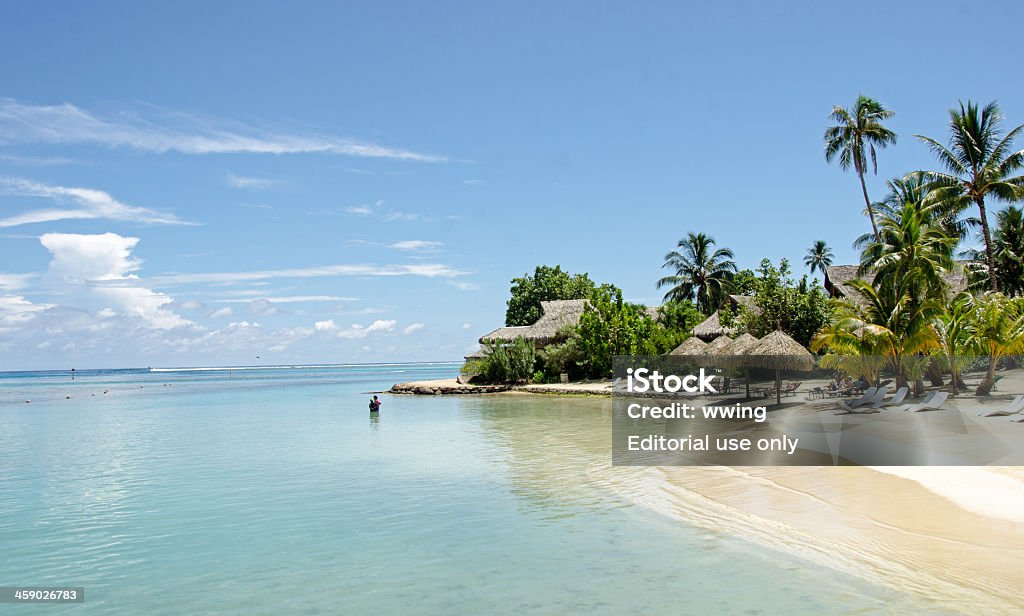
x=857, y=132
x=700, y=272
x=979, y=161
x=819, y=256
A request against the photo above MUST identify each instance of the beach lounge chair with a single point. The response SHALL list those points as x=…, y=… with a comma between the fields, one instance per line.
x=927, y=399
x=835, y=393
x=864, y=398
x=1012, y=408
x=871, y=405
x=935, y=404
x=790, y=388
x=897, y=397
x=863, y=410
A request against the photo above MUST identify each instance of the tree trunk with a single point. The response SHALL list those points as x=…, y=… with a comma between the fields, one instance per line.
x=934, y=373
x=867, y=202
x=989, y=381
x=993, y=284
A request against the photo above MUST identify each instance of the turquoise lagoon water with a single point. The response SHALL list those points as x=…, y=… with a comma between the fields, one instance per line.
x=272, y=491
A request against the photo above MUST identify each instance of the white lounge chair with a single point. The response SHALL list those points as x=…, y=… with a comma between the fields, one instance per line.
x=1013, y=408
x=935, y=404
x=927, y=399
x=869, y=406
x=864, y=398
x=897, y=397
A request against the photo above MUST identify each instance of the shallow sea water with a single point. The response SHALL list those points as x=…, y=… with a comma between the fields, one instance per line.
x=275, y=492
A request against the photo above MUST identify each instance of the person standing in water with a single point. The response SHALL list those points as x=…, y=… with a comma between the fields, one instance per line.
x=375, y=405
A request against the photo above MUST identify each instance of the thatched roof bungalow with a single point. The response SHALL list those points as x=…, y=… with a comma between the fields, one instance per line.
x=837, y=276
x=711, y=327
x=555, y=315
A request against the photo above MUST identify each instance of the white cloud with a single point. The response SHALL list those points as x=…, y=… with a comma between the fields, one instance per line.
x=472, y=182
x=358, y=331
x=400, y=216
x=467, y=325
x=288, y=299
x=359, y=210
x=378, y=211
x=416, y=245
x=159, y=131
x=464, y=286
x=101, y=266
x=426, y=270
x=250, y=183
x=191, y=305
x=262, y=307
x=413, y=328
x=13, y=282
x=86, y=204
x=222, y=312
x=325, y=326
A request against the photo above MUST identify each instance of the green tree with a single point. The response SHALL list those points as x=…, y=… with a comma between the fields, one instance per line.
x=996, y=329
x=857, y=132
x=910, y=250
x=951, y=330
x=699, y=272
x=979, y=162
x=507, y=362
x=608, y=327
x=797, y=308
x=1008, y=250
x=888, y=322
x=819, y=256
x=546, y=284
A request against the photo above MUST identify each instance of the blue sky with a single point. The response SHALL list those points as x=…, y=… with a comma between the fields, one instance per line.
x=184, y=184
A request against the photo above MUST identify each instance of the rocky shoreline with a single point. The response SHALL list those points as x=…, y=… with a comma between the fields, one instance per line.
x=453, y=387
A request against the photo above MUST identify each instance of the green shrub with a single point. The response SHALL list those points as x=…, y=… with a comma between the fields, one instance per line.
x=508, y=362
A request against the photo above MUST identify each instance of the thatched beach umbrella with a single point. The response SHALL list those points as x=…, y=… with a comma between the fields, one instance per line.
x=691, y=347
x=717, y=348
x=737, y=352
x=779, y=351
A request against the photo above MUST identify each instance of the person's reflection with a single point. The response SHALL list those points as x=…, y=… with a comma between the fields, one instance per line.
x=374, y=421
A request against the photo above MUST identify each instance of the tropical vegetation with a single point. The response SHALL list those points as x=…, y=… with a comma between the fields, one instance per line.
x=914, y=311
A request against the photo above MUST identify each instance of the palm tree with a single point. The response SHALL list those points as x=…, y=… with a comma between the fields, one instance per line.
x=911, y=249
x=996, y=329
x=856, y=133
x=952, y=334
x=819, y=256
x=1008, y=250
x=699, y=272
x=888, y=322
x=979, y=162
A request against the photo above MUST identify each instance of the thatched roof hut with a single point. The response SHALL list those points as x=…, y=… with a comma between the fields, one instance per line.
x=691, y=347
x=838, y=276
x=478, y=354
x=712, y=327
x=555, y=315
